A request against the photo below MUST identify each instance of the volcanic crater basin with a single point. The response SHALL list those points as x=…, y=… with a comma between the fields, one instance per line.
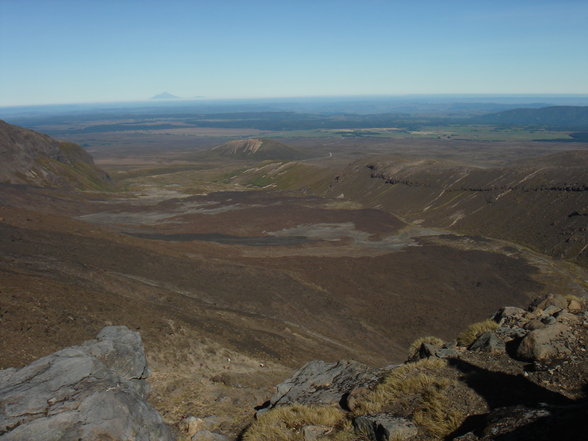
x=357, y=283
x=360, y=284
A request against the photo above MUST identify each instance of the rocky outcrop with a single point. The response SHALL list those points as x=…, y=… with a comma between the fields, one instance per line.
x=484, y=391
x=319, y=382
x=95, y=391
x=547, y=331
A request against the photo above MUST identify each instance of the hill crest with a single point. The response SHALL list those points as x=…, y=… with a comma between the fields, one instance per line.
x=258, y=149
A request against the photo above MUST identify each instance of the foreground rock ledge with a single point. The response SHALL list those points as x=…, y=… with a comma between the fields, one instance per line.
x=95, y=391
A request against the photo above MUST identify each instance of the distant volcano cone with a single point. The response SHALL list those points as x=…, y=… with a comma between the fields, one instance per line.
x=165, y=96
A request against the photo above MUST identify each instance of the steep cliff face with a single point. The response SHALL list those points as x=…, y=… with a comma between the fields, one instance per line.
x=542, y=203
x=28, y=157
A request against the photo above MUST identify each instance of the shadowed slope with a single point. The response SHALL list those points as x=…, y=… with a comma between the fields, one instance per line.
x=28, y=157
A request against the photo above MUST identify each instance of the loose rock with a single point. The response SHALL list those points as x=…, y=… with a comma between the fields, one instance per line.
x=550, y=300
x=508, y=315
x=384, y=427
x=574, y=306
x=191, y=425
x=534, y=324
x=546, y=343
x=488, y=342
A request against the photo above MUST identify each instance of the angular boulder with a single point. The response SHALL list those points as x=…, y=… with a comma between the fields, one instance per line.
x=488, y=342
x=320, y=382
x=384, y=427
x=551, y=342
x=95, y=391
x=575, y=306
x=427, y=350
x=509, y=315
x=557, y=301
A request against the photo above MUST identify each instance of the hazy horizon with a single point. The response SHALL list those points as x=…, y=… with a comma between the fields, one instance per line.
x=514, y=98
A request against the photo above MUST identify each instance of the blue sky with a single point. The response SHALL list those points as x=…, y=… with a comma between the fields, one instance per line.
x=70, y=51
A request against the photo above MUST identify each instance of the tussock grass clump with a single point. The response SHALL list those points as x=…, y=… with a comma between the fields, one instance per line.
x=416, y=390
x=469, y=334
x=285, y=423
x=413, y=349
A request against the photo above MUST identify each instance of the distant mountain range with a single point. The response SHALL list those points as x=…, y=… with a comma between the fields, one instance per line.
x=560, y=117
x=199, y=114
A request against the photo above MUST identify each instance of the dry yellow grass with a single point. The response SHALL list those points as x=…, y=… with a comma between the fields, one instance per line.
x=469, y=334
x=417, y=390
x=415, y=346
x=345, y=433
x=408, y=378
x=285, y=423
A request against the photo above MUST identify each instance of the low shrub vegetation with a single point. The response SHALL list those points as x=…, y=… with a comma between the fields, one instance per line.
x=469, y=334
x=415, y=346
x=420, y=391
x=286, y=423
x=416, y=390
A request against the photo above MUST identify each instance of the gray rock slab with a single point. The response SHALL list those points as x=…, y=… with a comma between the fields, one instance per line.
x=427, y=350
x=488, y=342
x=94, y=391
x=319, y=382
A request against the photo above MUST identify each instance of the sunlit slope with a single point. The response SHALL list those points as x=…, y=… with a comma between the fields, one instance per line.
x=257, y=149
x=542, y=203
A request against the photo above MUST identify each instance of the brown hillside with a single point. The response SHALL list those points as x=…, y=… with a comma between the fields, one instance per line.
x=28, y=157
x=541, y=203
